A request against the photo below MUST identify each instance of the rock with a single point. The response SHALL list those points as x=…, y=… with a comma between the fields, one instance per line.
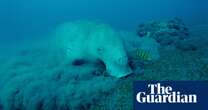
x=186, y=46
x=170, y=32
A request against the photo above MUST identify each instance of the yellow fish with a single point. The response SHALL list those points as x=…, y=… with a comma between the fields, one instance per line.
x=142, y=54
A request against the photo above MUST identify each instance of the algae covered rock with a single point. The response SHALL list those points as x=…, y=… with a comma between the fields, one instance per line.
x=168, y=32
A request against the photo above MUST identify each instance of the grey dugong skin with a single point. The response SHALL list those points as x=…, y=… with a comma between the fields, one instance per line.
x=91, y=41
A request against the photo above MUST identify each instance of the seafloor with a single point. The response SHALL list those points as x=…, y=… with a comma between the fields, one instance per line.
x=34, y=64
x=174, y=64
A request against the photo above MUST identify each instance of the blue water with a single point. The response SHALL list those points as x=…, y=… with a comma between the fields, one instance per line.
x=35, y=73
x=23, y=17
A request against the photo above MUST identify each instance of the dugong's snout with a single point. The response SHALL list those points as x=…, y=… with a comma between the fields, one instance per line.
x=119, y=68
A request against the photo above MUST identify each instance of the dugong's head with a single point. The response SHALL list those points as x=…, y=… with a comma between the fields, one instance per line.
x=116, y=62
x=119, y=67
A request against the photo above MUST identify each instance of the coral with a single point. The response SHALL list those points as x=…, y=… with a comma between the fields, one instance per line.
x=171, y=32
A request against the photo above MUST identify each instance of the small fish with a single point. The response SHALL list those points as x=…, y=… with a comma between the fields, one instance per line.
x=142, y=54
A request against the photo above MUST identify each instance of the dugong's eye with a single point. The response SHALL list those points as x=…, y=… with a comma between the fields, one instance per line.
x=100, y=50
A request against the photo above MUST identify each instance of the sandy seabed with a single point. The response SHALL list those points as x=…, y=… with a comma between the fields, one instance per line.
x=35, y=78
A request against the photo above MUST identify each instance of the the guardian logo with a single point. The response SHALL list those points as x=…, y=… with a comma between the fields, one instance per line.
x=164, y=94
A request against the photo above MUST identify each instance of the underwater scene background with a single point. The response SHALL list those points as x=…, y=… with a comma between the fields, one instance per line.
x=85, y=55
